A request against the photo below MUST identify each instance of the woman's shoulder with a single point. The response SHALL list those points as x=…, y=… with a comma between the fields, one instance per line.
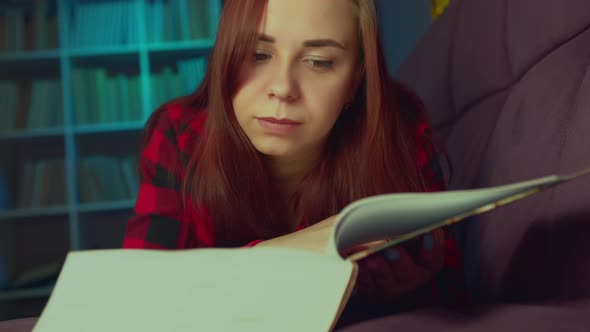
x=179, y=123
x=180, y=118
x=172, y=134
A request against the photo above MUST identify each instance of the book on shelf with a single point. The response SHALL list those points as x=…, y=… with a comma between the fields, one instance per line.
x=25, y=98
x=170, y=20
x=177, y=79
x=8, y=111
x=46, y=107
x=2, y=31
x=14, y=28
x=199, y=23
x=28, y=32
x=153, y=16
x=41, y=183
x=4, y=191
x=40, y=24
x=99, y=89
x=32, y=104
x=103, y=23
x=26, y=180
x=53, y=31
x=129, y=13
x=175, y=20
x=103, y=97
x=105, y=178
x=29, y=25
x=191, y=73
x=43, y=25
x=256, y=289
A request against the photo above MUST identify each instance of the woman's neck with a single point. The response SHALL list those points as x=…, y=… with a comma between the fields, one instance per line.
x=288, y=172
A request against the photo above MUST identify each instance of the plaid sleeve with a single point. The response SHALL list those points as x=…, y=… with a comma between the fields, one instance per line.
x=159, y=220
x=427, y=159
x=449, y=287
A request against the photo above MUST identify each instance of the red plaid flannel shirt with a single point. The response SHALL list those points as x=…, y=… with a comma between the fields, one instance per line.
x=161, y=222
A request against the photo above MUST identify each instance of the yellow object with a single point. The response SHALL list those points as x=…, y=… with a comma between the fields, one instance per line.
x=438, y=7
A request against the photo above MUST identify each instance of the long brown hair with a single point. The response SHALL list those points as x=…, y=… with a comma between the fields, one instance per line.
x=371, y=149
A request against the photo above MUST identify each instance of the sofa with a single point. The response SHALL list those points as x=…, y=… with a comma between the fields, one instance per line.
x=507, y=87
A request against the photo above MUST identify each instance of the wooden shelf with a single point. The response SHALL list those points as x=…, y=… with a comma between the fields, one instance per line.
x=168, y=46
x=30, y=55
x=32, y=133
x=21, y=213
x=201, y=44
x=121, y=76
x=106, y=206
x=107, y=51
x=109, y=127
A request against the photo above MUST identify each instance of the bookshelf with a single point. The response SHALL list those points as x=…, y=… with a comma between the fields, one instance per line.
x=73, y=103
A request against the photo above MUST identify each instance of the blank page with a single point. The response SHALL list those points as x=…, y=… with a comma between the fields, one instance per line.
x=258, y=289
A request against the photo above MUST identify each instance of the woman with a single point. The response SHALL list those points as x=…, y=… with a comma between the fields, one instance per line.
x=294, y=119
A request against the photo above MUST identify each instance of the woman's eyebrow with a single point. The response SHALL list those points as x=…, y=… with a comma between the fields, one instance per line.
x=323, y=43
x=266, y=38
x=314, y=43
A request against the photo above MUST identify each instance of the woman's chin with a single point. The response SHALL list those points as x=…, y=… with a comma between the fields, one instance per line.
x=274, y=150
x=276, y=153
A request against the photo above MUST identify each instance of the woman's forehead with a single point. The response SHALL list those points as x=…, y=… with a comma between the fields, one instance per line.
x=309, y=19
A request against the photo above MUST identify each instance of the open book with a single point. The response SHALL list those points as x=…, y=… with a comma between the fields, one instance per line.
x=258, y=289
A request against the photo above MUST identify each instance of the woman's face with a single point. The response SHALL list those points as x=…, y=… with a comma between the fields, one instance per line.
x=304, y=71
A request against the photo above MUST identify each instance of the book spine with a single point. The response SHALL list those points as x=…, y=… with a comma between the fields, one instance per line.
x=5, y=202
x=40, y=24
x=52, y=28
x=24, y=104
x=123, y=95
x=2, y=31
x=158, y=21
x=28, y=31
x=19, y=29
x=33, y=114
x=41, y=105
x=38, y=183
x=25, y=196
x=8, y=92
x=134, y=96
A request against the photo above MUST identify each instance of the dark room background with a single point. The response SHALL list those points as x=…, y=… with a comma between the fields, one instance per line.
x=78, y=79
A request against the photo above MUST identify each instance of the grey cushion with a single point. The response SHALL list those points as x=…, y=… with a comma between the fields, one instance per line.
x=507, y=83
x=18, y=325
x=509, y=317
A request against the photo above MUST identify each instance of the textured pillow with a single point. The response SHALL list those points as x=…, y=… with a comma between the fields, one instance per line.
x=507, y=84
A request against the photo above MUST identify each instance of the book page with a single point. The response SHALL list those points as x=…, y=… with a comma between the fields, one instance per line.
x=405, y=215
x=258, y=289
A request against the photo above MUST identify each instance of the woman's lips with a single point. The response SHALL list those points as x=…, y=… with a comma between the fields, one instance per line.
x=278, y=126
x=281, y=121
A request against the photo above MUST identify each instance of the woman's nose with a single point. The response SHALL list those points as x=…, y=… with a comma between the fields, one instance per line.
x=284, y=85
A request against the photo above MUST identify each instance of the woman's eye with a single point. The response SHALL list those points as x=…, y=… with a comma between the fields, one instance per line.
x=259, y=57
x=321, y=64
